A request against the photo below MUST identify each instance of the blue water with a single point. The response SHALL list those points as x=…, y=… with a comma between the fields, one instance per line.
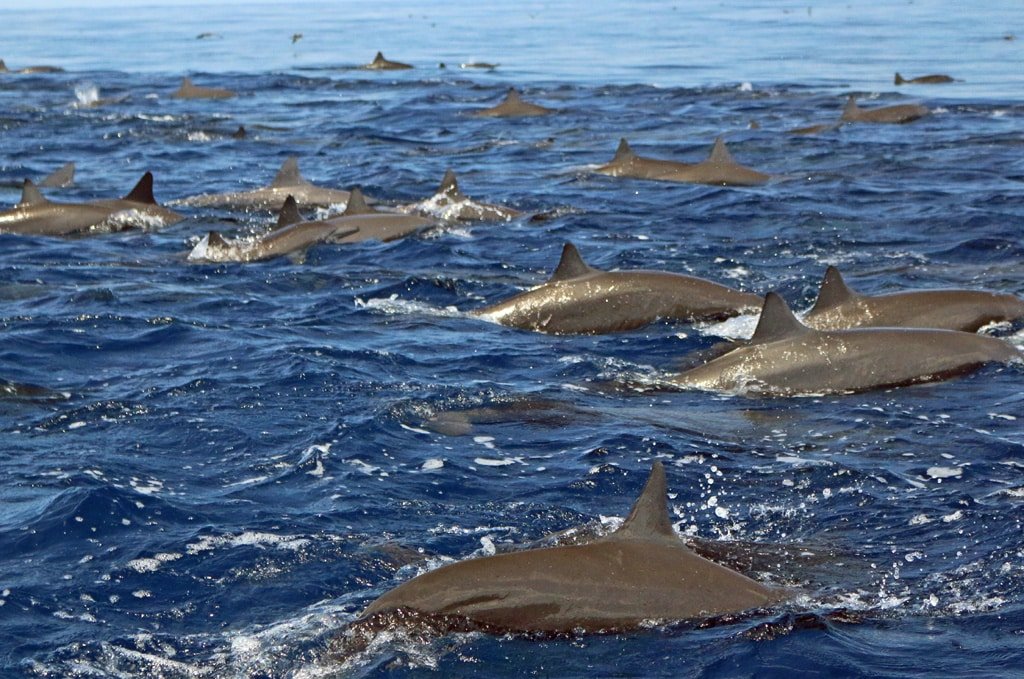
x=228, y=462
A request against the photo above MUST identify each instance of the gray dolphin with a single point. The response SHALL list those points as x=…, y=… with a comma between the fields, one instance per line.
x=379, y=63
x=640, y=573
x=62, y=177
x=30, y=69
x=36, y=215
x=579, y=299
x=513, y=106
x=840, y=307
x=935, y=79
x=292, y=237
x=372, y=224
x=898, y=114
x=720, y=168
x=786, y=357
x=450, y=203
x=189, y=91
x=287, y=182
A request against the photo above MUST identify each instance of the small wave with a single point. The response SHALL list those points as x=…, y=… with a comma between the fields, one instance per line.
x=394, y=306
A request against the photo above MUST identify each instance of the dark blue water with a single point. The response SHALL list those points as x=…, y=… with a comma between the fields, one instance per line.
x=228, y=462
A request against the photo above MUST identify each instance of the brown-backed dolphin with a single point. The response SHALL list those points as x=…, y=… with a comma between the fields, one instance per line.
x=900, y=113
x=30, y=69
x=579, y=299
x=373, y=224
x=287, y=182
x=139, y=202
x=935, y=79
x=786, y=357
x=62, y=177
x=720, y=168
x=513, y=106
x=639, y=574
x=292, y=237
x=450, y=203
x=379, y=63
x=840, y=307
x=189, y=91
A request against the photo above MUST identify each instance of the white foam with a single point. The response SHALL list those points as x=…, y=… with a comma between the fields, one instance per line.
x=944, y=472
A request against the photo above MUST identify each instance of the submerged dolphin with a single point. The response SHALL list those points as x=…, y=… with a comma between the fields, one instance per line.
x=60, y=178
x=935, y=79
x=287, y=182
x=190, y=91
x=30, y=69
x=579, y=299
x=840, y=307
x=640, y=573
x=720, y=168
x=372, y=224
x=786, y=357
x=292, y=237
x=450, y=203
x=513, y=106
x=379, y=63
x=900, y=113
x=36, y=215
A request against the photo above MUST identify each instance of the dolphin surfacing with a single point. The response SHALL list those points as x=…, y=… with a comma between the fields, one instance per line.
x=379, y=63
x=287, y=182
x=719, y=168
x=898, y=114
x=642, y=572
x=188, y=90
x=514, y=106
x=839, y=307
x=787, y=358
x=372, y=224
x=934, y=79
x=580, y=299
x=450, y=203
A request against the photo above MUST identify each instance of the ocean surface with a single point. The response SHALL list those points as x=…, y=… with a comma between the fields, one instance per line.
x=216, y=467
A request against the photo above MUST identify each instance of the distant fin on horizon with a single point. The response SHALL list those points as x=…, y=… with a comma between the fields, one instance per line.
x=30, y=195
x=143, y=191
x=289, y=174
x=571, y=265
x=61, y=177
x=833, y=291
x=289, y=213
x=357, y=204
x=777, y=321
x=649, y=517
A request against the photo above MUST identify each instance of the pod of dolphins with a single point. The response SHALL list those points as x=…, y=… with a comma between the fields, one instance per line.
x=848, y=342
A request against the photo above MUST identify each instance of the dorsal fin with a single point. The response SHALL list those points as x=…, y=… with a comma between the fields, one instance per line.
x=289, y=174
x=289, y=213
x=357, y=204
x=623, y=153
x=851, y=109
x=777, y=321
x=3, y=66
x=30, y=195
x=649, y=517
x=513, y=96
x=63, y=176
x=719, y=153
x=833, y=291
x=143, y=191
x=898, y=80
x=215, y=240
x=186, y=84
x=571, y=265
x=240, y=133
x=449, y=184
x=379, y=58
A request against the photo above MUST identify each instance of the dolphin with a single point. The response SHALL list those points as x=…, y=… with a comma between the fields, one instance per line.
x=720, y=168
x=190, y=91
x=287, y=182
x=513, y=106
x=140, y=202
x=372, y=224
x=786, y=357
x=640, y=573
x=935, y=79
x=450, y=203
x=901, y=113
x=30, y=69
x=379, y=63
x=61, y=178
x=840, y=307
x=580, y=299
x=292, y=237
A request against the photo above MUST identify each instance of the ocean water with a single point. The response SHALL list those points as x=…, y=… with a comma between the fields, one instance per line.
x=223, y=464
